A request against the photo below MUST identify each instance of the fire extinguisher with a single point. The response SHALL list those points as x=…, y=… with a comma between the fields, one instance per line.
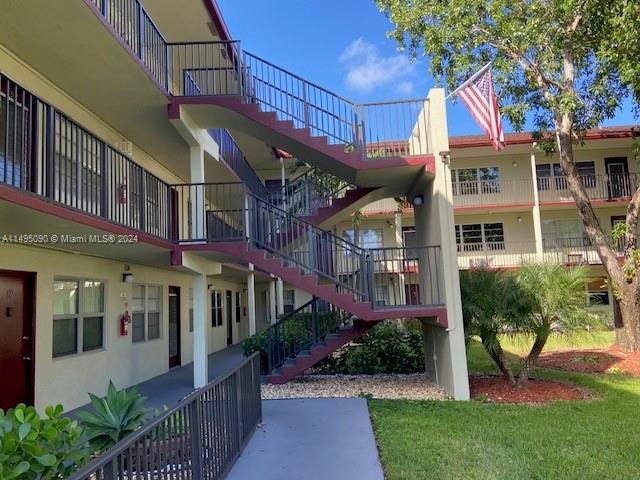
x=125, y=320
x=122, y=193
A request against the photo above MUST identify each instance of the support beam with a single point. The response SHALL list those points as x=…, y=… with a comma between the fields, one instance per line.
x=251, y=299
x=279, y=297
x=445, y=356
x=537, y=222
x=272, y=302
x=200, y=354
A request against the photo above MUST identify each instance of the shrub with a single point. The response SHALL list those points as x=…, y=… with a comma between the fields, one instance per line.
x=32, y=447
x=387, y=348
x=115, y=416
x=257, y=343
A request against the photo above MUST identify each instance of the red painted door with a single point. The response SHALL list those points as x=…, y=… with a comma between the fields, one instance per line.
x=16, y=379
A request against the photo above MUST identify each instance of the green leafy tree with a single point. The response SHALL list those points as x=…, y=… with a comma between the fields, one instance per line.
x=34, y=447
x=565, y=64
x=556, y=298
x=492, y=304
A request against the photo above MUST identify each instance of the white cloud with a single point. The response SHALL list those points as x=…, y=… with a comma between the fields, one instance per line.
x=368, y=70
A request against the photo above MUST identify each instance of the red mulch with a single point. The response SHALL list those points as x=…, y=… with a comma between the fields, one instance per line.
x=592, y=361
x=497, y=389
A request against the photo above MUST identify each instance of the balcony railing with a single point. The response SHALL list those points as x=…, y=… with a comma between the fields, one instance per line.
x=376, y=130
x=562, y=250
x=46, y=153
x=598, y=187
x=482, y=193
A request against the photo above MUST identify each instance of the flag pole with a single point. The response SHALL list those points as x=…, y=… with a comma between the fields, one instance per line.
x=471, y=79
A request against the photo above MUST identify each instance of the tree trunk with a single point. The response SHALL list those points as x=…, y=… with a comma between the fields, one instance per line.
x=503, y=363
x=627, y=318
x=531, y=360
x=628, y=315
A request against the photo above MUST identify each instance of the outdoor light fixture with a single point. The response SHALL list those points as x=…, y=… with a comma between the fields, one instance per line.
x=127, y=277
x=515, y=164
x=418, y=200
x=519, y=219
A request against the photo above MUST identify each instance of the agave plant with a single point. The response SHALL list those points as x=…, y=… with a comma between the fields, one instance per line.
x=115, y=416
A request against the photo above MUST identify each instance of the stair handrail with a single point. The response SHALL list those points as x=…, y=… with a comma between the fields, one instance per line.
x=300, y=330
x=324, y=247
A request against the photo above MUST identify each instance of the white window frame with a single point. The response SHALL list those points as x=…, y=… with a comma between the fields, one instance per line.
x=146, y=312
x=482, y=186
x=483, y=236
x=80, y=315
x=217, y=309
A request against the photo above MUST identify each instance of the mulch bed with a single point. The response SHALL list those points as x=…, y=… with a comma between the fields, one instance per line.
x=610, y=360
x=496, y=389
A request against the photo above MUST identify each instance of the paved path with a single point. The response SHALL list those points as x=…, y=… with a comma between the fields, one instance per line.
x=316, y=439
x=170, y=387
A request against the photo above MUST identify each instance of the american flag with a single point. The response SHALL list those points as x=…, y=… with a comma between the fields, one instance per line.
x=478, y=95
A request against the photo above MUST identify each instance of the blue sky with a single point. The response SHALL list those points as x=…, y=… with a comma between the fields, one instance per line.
x=342, y=46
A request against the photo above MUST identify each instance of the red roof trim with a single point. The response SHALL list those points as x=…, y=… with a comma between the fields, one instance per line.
x=470, y=141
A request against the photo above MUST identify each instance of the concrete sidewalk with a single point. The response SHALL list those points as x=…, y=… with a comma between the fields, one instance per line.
x=314, y=439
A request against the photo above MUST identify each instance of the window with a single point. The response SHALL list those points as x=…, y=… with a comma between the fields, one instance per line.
x=146, y=312
x=597, y=292
x=471, y=181
x=480, y=236
x=216, y=308
x=564, y=233
x=550, y=176
x=78, y=316
x=289, y=300
x=238, y=308
x=382, y=295
x=191, y=309
x=367, y=238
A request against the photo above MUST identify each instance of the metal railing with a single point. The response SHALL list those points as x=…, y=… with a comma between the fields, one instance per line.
x=309, y=192
x=201, y=437
x=301, y=329
x=286, y=236
x=575, y=250
x=496, y=254
x=478, y=193
x=405, y=276
x=235, y=160
x=375, y=130
x=599, y=187
x=210, y=212
x=45, y=152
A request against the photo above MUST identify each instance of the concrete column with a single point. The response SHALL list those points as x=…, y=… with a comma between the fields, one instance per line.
x=537, y=222
x=196, y=194
x=279, y=297
x=200, y=354
x=272, y=301
x=251, y=299
x=445, y=355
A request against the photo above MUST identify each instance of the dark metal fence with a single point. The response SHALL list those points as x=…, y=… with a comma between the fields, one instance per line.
x=45, y=152
x=210, y=211
x=300, y=330
x=200, y=438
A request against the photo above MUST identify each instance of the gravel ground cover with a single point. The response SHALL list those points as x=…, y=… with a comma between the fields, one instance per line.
x=382, y=386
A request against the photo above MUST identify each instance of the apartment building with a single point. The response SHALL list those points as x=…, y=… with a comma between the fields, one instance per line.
x=514, y=206
x=152, y=213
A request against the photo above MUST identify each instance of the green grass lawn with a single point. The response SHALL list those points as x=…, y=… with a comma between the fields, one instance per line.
x=594, y=439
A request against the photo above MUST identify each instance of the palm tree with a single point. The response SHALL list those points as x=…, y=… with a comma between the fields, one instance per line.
x=492, y=305
x=556, y=295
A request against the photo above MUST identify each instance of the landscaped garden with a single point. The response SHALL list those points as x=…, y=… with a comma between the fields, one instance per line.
x=596, y=438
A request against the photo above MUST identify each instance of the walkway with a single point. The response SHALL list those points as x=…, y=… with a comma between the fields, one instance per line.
x=314, y=439
x=172, y=386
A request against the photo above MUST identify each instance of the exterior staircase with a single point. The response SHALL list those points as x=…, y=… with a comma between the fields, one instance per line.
x=220, y=85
